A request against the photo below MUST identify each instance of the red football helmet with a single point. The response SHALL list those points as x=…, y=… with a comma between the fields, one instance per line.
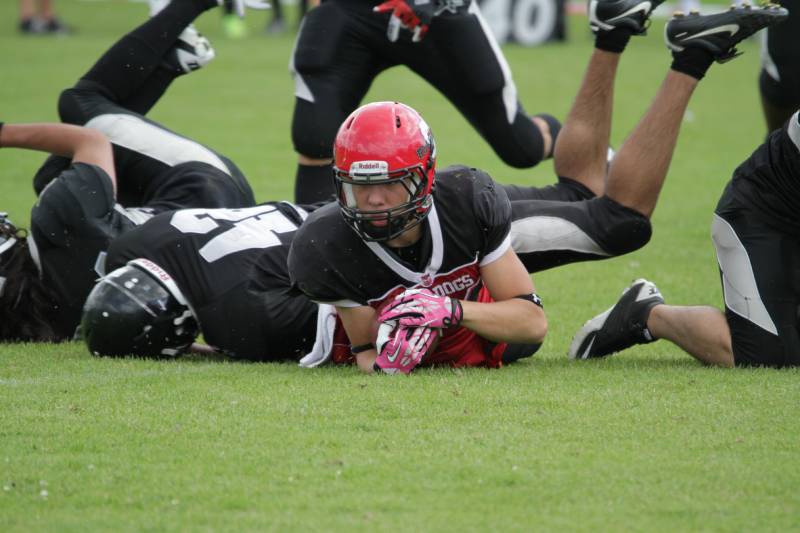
x=381, y=143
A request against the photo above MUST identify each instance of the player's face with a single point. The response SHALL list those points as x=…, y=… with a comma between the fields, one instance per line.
x=381, y=197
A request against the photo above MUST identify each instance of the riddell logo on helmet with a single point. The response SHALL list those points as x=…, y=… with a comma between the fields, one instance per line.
x=153, y=269
x=369, y=168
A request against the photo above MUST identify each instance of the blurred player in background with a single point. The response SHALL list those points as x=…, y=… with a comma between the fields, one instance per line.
x=47, y=272
x=344, y=44
x=39, y=17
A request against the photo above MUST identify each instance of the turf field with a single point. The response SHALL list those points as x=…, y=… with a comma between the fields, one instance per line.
x=646, y=441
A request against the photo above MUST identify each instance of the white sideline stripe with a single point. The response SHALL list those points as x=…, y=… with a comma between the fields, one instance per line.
x=545, y=233
x=509, y=89
x=794, y=130
x=135, y=134
x=738, y=281
x=93, y=378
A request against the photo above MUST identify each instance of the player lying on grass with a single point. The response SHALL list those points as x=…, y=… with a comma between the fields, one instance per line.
x=755, y=232
x=427, y=275
x=219, y=271
x=47, y=272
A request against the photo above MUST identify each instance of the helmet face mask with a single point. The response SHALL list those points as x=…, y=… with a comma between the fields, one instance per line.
x=384, y=143
x=135, y=310
x=385, y=224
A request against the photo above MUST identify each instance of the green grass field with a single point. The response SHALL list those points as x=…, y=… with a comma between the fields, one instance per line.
x=648, y=440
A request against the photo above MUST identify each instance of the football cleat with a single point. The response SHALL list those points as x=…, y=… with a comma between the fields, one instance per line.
x=621, y=326
x=239, y=6
x=607, y=15
x=191, y=52
x=721, y=32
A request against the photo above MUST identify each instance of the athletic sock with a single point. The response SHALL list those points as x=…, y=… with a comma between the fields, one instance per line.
x=313, y=184
x=692, y=61
x=613, y=41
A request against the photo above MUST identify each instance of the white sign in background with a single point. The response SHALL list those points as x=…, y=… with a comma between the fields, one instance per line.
x=526, y=22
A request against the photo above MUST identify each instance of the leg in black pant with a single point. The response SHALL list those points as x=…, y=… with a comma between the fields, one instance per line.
x=129, y=72
x=129, y=75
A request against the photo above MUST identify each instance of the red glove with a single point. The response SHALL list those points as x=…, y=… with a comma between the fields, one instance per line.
x=415, y=16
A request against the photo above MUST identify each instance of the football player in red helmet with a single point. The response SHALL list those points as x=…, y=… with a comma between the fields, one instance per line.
x=393, y=256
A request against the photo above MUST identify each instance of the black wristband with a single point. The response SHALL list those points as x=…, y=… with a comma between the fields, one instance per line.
x=457, y=315
x=355, y=350
x=1, y=131
x=532, y=297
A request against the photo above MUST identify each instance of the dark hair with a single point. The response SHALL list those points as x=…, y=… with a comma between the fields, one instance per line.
x=26, y=304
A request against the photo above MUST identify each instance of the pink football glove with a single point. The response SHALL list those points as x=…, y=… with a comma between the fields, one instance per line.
x=421, y=307
x=401, y=348
x=413, y=15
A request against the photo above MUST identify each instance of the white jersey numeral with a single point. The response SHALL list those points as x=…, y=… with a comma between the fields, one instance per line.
x=253, y=227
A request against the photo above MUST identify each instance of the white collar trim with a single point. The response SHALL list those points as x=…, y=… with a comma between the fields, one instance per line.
x=435, y=262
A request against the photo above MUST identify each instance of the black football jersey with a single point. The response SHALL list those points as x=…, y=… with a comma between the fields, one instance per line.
x=72, y=223
x=769, y=180
x=231, y=265
x=468, y=226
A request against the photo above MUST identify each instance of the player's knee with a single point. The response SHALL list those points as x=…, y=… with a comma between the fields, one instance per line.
x=781, y=93
x=625, y=230
x=313, y=130
x=755, y=346
x=69, y=110
x=523, y=146
x=515, y=352
x=53, y=166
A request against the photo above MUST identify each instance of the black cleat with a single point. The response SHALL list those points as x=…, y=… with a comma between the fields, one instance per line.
x=721, y=32
x=621, y=326
x=607, y=15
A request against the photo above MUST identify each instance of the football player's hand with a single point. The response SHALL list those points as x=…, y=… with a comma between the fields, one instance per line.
x=421, y=307
x=413, y=15
x=401, y=348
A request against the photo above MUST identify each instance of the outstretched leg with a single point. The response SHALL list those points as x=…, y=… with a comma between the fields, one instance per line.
x=581, y=151
x=130, y=76
x=640, y=167
x=123, y=74
x=581, y=148
x=700, y=330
